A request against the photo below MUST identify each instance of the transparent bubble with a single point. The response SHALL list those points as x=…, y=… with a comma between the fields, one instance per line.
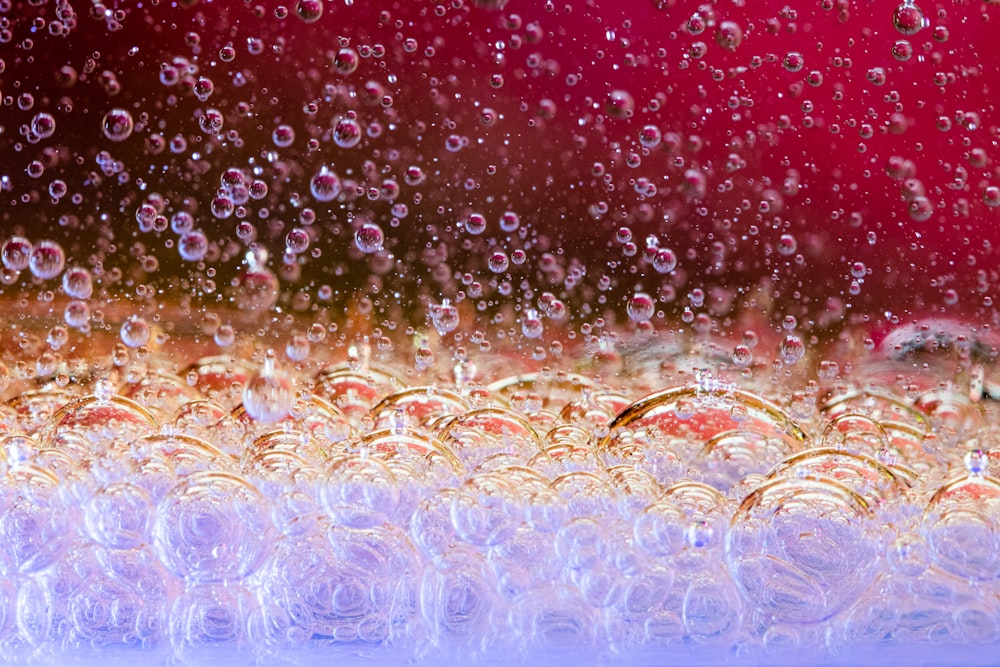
x=193, y=246
x=908, y=18
x=16, y=253
x=268, y=395
x=641, y=307
x=47, y=260
x=213, y=526
x=802, y=549
x=118, y=124
x=43, y=125
x=325, y=185
x=369, y=238
x=135, y=331
x=347, y=132
x=118, y=516
x=78, y=283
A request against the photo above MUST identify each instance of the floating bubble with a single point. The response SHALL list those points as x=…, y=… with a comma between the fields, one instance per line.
x=118, y=125
x=47, y=260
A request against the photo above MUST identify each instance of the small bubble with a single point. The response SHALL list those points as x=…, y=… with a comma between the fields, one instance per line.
x=445, y=317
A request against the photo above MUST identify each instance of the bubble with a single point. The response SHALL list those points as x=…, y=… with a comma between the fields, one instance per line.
x=809, y=540
x=193, y=246
x=118, y=125
x=664, y=260
x=498, y=262
x=902, y=50
x=297, y=241
x=531, y=325
x=347, y=132
x=43, y=125
x=650, y=136
x=794, y=61
x=908, y=18
x=445, y=317
x=742, y=356
x=283, y=136
x=135, y=332
x=369, y=238
x=78, y=283
x=47, y=260
x=325, y=185
x=213, y=526
x=475, y=224
x=641, y=307
x=791, y=349
x=118, y=516
x=16, y=253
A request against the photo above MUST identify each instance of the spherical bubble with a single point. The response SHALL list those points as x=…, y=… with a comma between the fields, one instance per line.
x=268, y=396
x=297, y=241
x=211, y=121
x=664, y=260
x=47, y=260
x=619, y=104
x=347, y=132
x=117, y=516
x=34, y=532
x=962, y=528
x=641, y=307
x=369, y=238
x=283, y=136
x=309, y=10
x=791, y=349
x=902, y=50
x=213, y=526
x=77, y=314
x=802, y=549
x=78, y=283
x=346, y=61
x=222, y=207
x=510, y=221
x=650, y=136
x=135, y=331
x=16, y=253
x=43, y=125
x=456, y=598
x=193, y=246
x=711, y=610
x=118, y=125
x=498, y=261
x=445, y=317
x=794, y=61
x=475, y=224
x=325, y=185
x=908, y=18
x=203, y=88
x=742, y=356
